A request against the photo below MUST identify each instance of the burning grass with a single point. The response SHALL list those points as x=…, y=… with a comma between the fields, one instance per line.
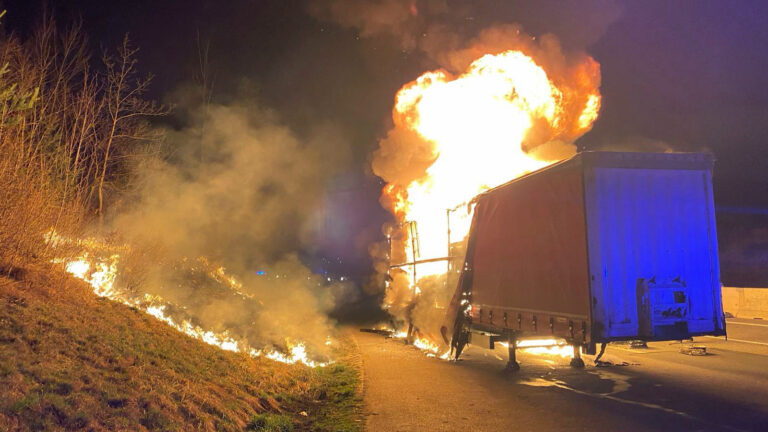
x=72, y=360
x=98, y=263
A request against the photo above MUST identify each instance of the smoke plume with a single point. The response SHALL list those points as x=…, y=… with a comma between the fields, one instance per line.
x=237, y=191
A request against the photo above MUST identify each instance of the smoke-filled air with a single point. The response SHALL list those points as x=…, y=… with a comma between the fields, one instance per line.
x=210, y=240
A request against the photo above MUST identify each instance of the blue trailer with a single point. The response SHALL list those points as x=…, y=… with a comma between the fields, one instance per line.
x=602, y=247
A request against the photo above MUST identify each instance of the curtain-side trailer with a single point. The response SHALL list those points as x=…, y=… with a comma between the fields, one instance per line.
x=602, y=247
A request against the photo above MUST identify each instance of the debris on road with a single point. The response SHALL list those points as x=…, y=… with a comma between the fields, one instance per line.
x=382, y=332
x=694, y=350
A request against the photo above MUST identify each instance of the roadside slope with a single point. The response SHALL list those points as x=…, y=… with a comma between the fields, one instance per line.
x=71, y=360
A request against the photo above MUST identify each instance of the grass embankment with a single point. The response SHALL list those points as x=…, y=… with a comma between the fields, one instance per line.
x=70, y=360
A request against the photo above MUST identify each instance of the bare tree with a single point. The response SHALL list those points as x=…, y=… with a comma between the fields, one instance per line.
x=67, y=132
x=126, y=109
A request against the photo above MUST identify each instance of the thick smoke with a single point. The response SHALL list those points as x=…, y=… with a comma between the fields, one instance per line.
x=439, y=27
x=442, y=33
x=409, y=24
x=239, y=191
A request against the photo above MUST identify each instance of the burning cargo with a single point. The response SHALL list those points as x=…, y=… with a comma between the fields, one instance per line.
x=601, y=247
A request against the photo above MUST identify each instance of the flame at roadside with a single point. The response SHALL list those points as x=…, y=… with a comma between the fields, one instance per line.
x=102, y=272
x=430, y=348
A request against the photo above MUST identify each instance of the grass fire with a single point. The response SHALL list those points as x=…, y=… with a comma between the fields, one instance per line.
x=102, y=273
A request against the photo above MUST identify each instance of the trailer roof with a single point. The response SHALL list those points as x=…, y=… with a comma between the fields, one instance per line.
x=630, y=160
x=685, y=161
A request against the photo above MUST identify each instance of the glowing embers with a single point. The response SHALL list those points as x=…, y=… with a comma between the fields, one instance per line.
x=556, y=347
x=297, y=354
x=424, y=344
x=430, y=348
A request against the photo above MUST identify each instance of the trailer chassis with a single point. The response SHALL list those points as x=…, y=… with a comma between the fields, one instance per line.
x=462, y=337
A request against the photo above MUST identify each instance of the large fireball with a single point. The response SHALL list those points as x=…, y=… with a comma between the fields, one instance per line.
x=457, y=135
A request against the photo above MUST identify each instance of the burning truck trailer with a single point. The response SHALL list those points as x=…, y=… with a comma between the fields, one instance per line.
x=602, y=247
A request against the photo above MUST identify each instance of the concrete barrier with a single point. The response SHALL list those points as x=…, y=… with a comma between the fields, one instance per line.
x=746, y=302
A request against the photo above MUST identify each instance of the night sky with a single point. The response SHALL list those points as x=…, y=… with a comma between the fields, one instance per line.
x=686, y=75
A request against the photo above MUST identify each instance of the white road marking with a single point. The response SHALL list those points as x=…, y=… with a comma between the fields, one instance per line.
x=743, y=323
x=739, y=340
x=541, y=382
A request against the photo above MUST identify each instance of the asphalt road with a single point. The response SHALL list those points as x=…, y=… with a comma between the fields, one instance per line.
x=657, y=388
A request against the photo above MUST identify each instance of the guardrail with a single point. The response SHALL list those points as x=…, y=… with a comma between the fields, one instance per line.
x=746, y=302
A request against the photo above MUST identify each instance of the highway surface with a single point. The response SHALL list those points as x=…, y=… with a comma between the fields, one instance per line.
x=651, y=389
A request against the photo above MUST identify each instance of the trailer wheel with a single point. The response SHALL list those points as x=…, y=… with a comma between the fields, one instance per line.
x=512, y=364
x=576, y=361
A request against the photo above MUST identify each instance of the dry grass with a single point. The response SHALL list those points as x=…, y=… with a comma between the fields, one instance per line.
x=69, y=133
x=70, y=360
x=27, y=212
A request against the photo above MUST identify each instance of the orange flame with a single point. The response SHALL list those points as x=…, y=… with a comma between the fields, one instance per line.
x=478, y=123
x=484, y=127
x=101, y=273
